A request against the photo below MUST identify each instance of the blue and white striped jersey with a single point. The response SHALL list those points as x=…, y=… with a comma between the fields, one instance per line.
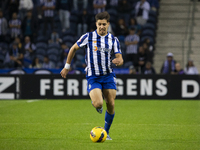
x=49, y=12
x=99, y=2
x=98, y=52
x=15, y=31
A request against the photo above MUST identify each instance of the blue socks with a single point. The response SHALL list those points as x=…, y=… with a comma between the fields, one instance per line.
x=108, y=121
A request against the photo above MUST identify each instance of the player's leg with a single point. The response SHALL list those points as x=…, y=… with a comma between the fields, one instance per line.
x=97, y=99
x=94, y=89
x=109, y=95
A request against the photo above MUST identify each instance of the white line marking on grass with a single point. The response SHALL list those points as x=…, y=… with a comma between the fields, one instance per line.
x=32, y=100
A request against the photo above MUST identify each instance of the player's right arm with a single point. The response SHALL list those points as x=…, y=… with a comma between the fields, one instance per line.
x=70, y=56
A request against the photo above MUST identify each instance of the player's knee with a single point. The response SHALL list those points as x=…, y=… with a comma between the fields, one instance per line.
x=111, y=104
x=98, y=104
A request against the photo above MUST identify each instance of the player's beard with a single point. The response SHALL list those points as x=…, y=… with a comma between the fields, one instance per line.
x=102, y=31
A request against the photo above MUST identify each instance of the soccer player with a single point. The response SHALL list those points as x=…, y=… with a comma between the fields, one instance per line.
x=100, y=78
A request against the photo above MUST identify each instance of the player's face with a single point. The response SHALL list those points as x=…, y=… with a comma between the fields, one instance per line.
x=102, y=27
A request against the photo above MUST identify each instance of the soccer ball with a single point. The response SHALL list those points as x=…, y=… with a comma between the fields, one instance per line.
x=98, y=134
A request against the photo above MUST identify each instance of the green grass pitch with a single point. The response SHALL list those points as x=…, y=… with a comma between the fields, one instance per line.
x=66, y=125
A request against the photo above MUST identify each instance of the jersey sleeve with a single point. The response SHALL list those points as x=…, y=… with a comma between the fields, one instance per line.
x=83, y=40
x=117, y=48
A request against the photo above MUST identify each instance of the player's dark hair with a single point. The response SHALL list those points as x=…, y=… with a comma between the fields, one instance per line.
x=102, y=15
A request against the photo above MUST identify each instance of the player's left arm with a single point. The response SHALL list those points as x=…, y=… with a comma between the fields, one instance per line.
x=118, y=61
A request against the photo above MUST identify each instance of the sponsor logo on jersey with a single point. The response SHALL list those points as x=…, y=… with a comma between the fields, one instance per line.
x=95, y=48
x=101, y=49
x=110, y=42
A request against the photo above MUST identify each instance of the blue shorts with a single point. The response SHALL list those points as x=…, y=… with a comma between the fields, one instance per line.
x=101, y=82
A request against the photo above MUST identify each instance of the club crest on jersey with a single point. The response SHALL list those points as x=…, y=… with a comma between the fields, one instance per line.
x=101, y=49
x=110, y=42
x=90, y=86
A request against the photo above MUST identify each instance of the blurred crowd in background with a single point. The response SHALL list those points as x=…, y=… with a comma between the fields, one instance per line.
x=39, y=33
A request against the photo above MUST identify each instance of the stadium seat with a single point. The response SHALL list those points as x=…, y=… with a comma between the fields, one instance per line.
x=69, y=44
x=73, y=18
x=128, y=64
x=60, y=64
x=54, y=51
x=79, y=61
x=42, y=71
x=41, y=45
x=148, y=32
x=68, y=39
x=40, y=51
x=53, y=45
x=53, y=58
x=73, y=27
x=80, y=52
x=60, y=52
x=41, y=39
x=56, y=18
x=152, y=20
x=149, y=26
x=17, y=71
x=4, y=45
x=40, y=32
x=68, y=32
x=59, y=31
x=74, y=12
x=113, y=13
x=57, y=26
x=40, y=57
x=152, y=14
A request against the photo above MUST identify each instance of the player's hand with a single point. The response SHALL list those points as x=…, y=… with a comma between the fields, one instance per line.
x=64, y=72
x=117, y=61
